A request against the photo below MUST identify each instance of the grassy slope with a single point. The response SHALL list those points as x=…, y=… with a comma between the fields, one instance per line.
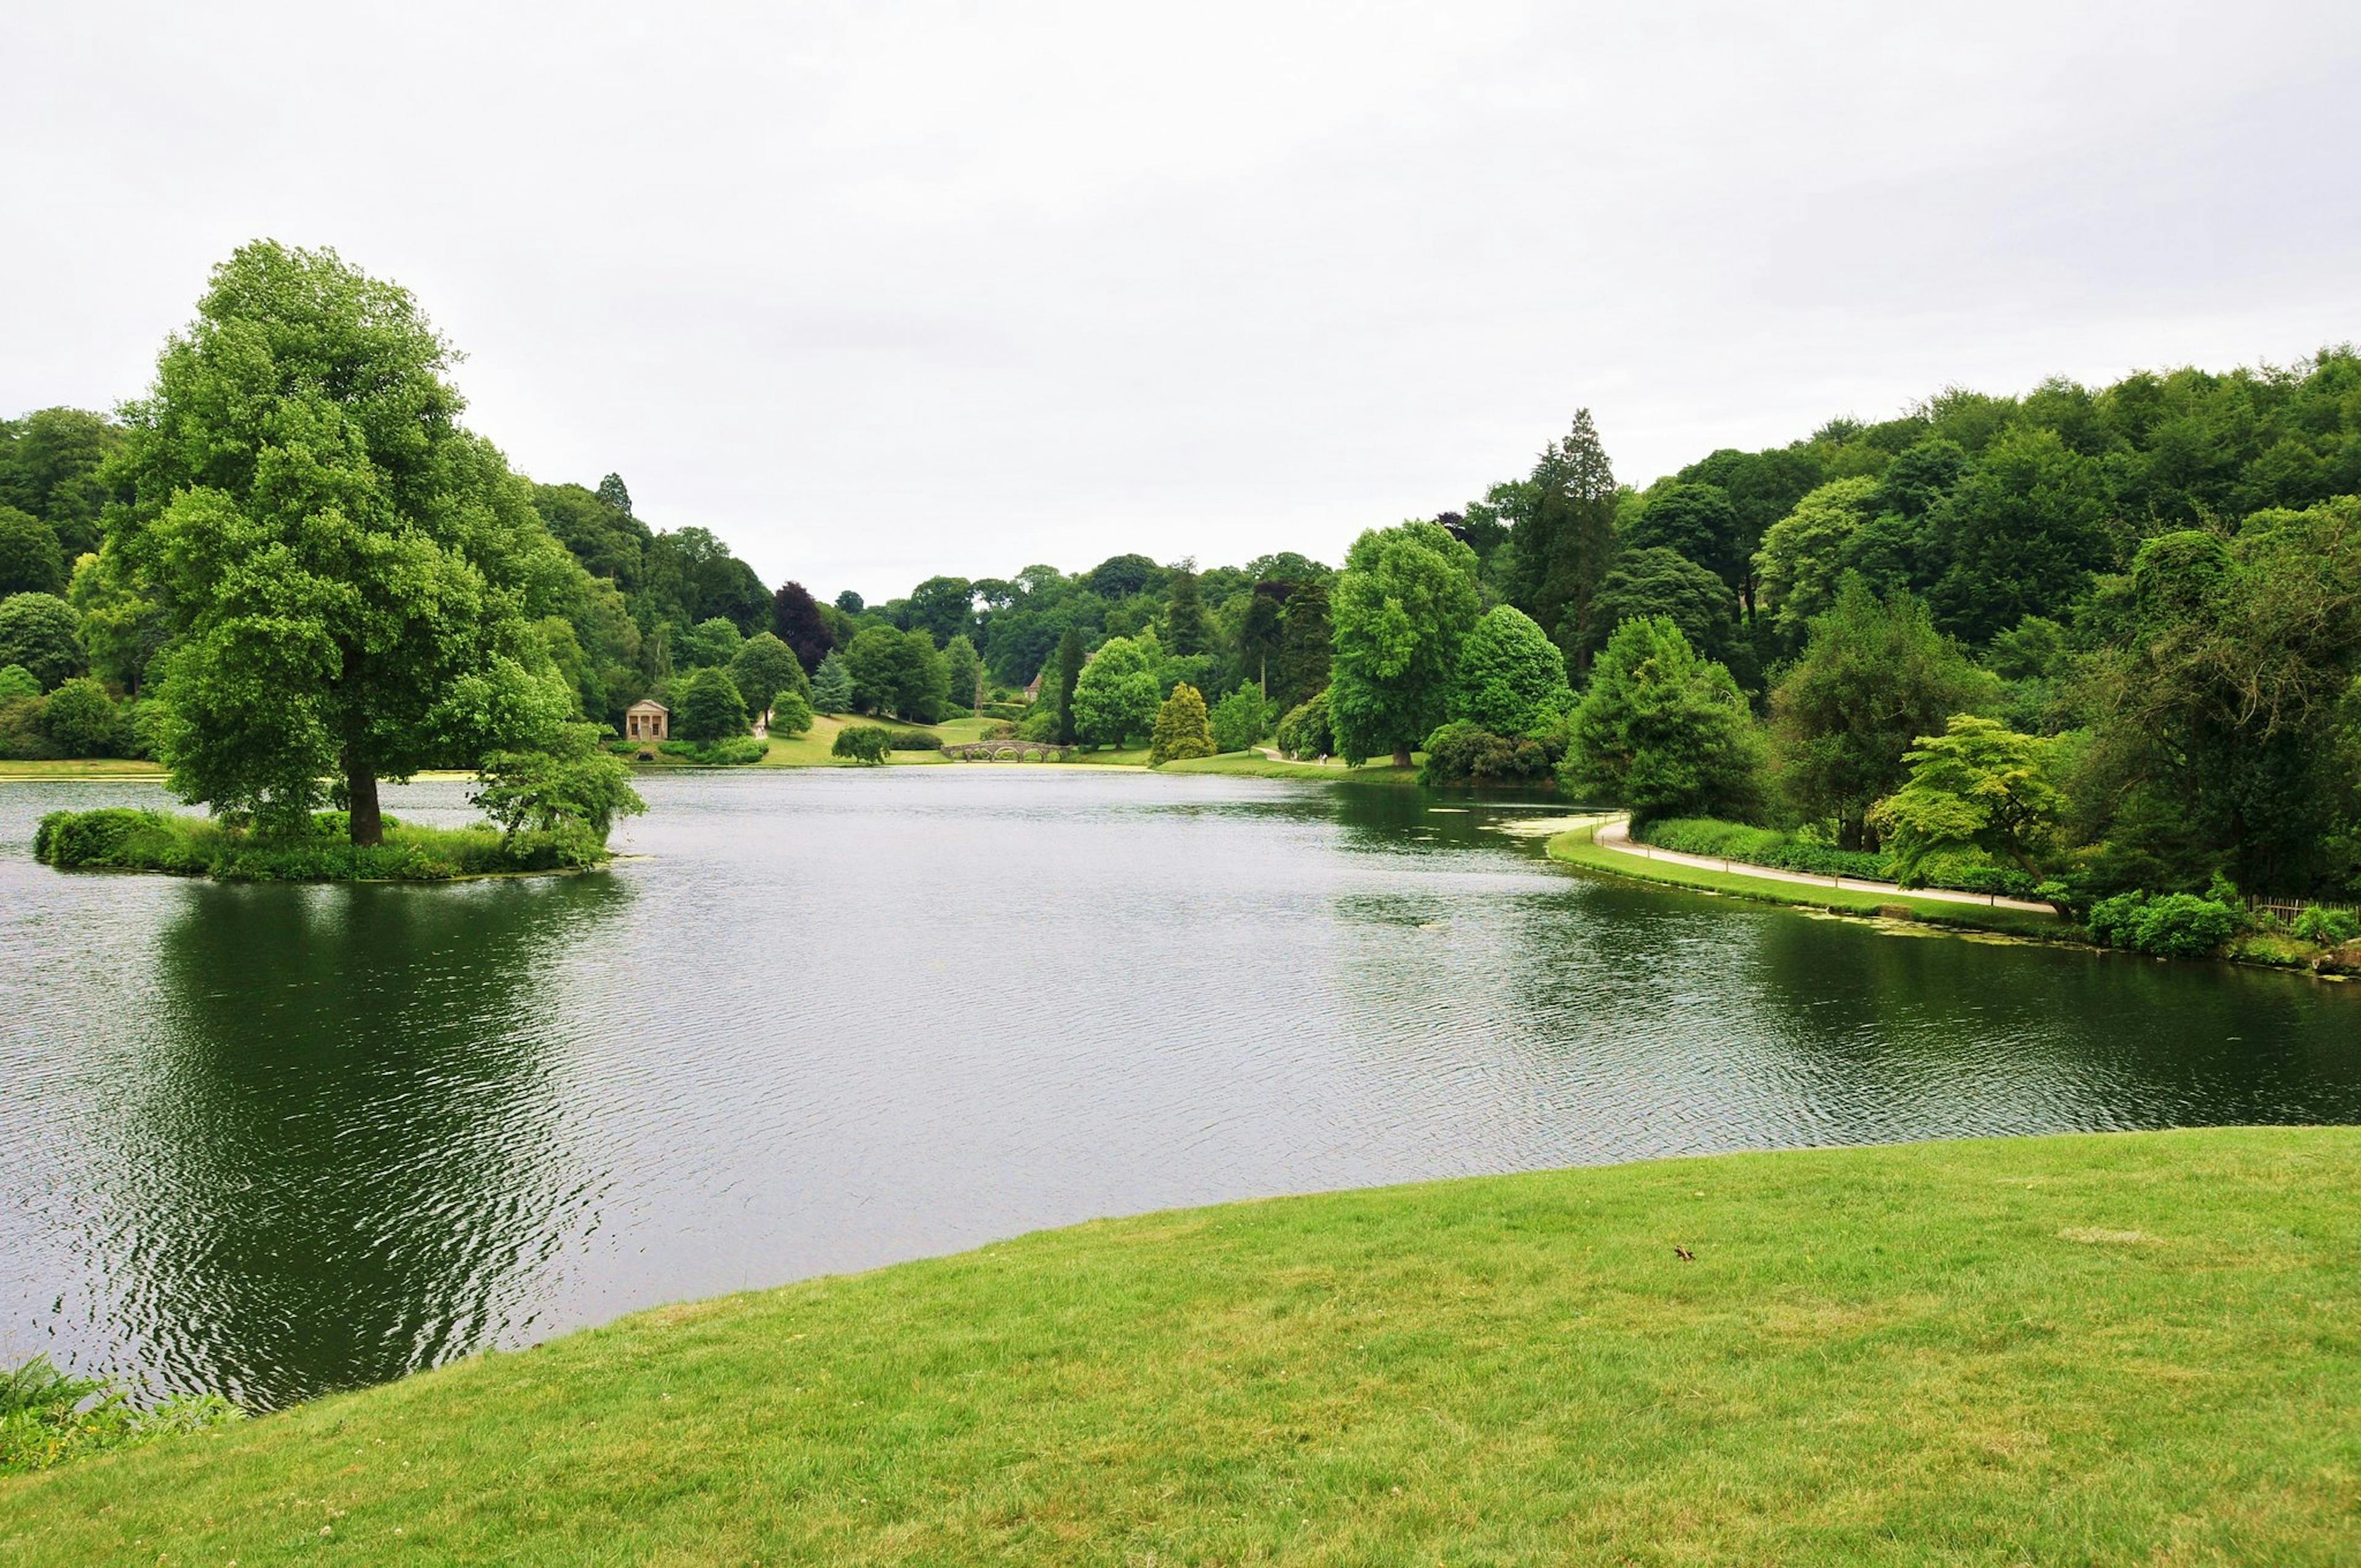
x=1576, y=848
x=82, y=768
x=2115, y=1349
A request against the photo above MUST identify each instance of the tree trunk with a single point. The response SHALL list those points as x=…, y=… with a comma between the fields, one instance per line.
x=1401, y=756
x=360, y=796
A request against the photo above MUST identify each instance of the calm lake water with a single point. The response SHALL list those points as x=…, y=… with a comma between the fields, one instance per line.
x=279, y=1140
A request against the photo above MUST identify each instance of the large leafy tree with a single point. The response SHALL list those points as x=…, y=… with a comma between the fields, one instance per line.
x=710, y=708
x=1404, y=604
x=1806, y=555
x=762, y=668
x=797, y=619
x=348, y=578
x=1698, y=523
x=2024, y=532
x=943, y=607
x=608, y=541
x=1563, y=549
x=901, y=672
x=1662, y=730
x=1763, y=487
x=963, y=673
x=30, y=560
x=1508, y=675
x=1654, y=580
x=53, y=466
x=1115, y=695
x=2227, y=727
x=1876, y=676
x=40, y=631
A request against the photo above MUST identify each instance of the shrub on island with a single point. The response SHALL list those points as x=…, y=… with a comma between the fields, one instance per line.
x=731, y=751
x=123, y=839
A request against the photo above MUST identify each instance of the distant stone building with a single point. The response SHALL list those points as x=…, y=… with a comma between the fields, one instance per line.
x=646, y=720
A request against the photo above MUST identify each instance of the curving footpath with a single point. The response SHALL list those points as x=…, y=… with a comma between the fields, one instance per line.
x=1616, y=835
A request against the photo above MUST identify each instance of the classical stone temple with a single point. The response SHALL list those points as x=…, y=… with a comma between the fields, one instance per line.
x=645, y=721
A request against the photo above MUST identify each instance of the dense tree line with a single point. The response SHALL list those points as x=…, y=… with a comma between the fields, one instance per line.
x=2152, y=589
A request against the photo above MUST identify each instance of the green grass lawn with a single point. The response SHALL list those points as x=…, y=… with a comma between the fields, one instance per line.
x=82, y=768
x=1576, y=848
x=1255, y=766
x=2122, y=1349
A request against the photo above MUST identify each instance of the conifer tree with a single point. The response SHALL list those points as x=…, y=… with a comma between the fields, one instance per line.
x=1306, y=646
x=831, y=687
x=1186, y=629
x=1181, y=728
x=1563, y=549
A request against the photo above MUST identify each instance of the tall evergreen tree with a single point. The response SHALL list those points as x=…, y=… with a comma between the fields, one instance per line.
x=1563, y=550
x=1186, y=629
x=610, y=490
x=1261, y=634
x=1306, y=646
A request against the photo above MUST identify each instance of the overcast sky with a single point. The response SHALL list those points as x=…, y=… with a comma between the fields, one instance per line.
x=877, y=291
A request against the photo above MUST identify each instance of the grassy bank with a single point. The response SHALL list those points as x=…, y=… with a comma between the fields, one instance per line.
x=2119, y=1349
x=82, y=768
x=1254, y=764
x=122, y=838
x=1576, y=848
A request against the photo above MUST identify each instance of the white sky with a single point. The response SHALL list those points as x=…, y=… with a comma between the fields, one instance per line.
x=876, y=290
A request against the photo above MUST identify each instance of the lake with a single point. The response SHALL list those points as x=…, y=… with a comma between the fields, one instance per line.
x=281, y=1140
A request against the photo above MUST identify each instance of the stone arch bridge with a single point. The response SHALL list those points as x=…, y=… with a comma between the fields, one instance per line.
x=1009, y=751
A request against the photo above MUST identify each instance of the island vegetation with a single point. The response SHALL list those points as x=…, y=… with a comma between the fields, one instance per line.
x=2123, y=1348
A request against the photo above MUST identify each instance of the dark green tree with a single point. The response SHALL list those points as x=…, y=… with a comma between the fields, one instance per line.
x=1186, y=631
x=943, y=607
x=963, y=673
x=40, y=631
x=1562, y=550
x=30, y=560
x=1306, y=646
x=1697, y=522
x=710, y=708
x=1662, y=730
x=1656, y=581
x=2024, y=532
x=1262, y=631
x=1876, y=676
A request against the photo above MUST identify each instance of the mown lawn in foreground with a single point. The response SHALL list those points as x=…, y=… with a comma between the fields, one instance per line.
x=2133, y=1348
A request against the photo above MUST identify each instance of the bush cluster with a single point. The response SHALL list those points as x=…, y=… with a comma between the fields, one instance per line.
x=122, y=838
x=731, y=751
x=2169, y=926
x=2329, y=928
x=915, y=740
x=1465, y=753
x=1762, y=847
